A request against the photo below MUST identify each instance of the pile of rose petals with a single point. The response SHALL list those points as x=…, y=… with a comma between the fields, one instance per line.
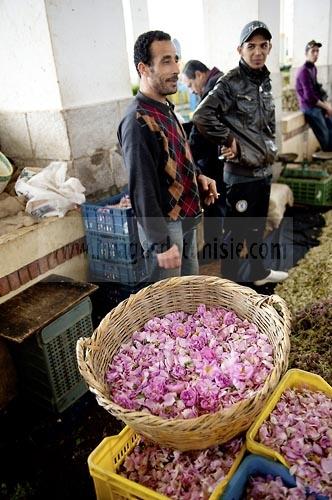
x=268, y=488
x=189, y=475
x=300, y=429
x=185, y=365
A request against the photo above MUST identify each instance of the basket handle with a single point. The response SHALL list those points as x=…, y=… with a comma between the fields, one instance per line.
x=284, y=319
x=282, y=309
x=277, y=303
x=82, y=345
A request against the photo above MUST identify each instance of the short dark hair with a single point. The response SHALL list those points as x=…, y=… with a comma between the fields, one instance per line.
x=142, y=46
x=192, y=66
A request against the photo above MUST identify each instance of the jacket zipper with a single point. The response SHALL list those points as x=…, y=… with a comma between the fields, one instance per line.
x=259, y=91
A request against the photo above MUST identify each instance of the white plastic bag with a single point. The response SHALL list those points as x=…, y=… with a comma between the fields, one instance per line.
x=49, y=193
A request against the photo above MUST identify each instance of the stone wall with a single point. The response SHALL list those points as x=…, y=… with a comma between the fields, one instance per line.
x=85, y=137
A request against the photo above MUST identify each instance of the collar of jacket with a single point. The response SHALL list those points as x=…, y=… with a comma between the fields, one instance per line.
x=213, y=73
x=309, y=64
x=256, y=75
x=164, y=108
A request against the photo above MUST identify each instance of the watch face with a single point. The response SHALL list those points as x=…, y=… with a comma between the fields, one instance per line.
x=241, y=205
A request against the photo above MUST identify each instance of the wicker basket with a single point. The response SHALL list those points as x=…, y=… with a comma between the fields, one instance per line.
x=186, y=293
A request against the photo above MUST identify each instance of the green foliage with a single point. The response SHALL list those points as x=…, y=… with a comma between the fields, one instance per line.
x=135, y=89
x=20, y=491
x=311, y=347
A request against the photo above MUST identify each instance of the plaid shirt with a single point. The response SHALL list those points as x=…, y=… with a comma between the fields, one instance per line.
x=184, y=195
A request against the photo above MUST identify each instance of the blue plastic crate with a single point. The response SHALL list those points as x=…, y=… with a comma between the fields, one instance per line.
x=106, y=220
x=128, y=273
x=113, y=248
x=255, y=465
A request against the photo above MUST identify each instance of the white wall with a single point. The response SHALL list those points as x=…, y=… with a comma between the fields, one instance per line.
x=28, y=79
x=182, y=19
x=136, y=17
x=89, y=46
x=329, y=43
x=286, y=31
x=140, y=16
x=223, y=21
x=269, y=12
x=311, y=21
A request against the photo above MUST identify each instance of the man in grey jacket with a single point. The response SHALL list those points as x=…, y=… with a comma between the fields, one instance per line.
x=200, y=80
x=238, y=114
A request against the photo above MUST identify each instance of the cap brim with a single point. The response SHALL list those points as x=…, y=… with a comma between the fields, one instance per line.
x=250, y=35
x=312, y=45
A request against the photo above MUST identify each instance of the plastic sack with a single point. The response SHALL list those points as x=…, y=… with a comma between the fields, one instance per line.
x=49, y=193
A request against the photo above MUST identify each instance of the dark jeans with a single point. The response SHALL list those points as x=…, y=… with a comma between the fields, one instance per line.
x=247, y=205
x=213, y=226
x=213, y=214
x=321, y=126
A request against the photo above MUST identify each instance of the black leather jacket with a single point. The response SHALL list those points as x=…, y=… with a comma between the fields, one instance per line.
x=241, y=106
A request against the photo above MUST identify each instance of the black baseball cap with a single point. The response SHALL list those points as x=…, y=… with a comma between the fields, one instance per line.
x=251, y=28
x=312, y=44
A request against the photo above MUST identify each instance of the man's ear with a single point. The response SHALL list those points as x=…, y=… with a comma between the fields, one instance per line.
x=239, y=49
x=270, y=47
x=142, y=68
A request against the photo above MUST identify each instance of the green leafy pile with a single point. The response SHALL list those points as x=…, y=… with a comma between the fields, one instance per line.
x=311, y=279
x=311, y=340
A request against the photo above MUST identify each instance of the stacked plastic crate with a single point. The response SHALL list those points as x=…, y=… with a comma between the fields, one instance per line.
x=46, y=361
x=115, y=253
x=311, y=184
x=41, y=326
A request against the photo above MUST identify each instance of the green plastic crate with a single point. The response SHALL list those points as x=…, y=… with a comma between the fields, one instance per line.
x=47, y=361
x=310, y=191
x=315, y=171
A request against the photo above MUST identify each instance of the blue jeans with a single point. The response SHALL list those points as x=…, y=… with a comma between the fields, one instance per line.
x=321, y=126
x=186, y=242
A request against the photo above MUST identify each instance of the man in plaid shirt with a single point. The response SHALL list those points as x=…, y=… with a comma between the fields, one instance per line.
x=164, y=183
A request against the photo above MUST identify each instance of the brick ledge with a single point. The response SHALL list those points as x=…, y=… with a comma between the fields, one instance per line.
x=21, y=276
x=295, y=132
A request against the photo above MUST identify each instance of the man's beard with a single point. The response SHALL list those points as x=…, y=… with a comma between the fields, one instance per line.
x=161, y=88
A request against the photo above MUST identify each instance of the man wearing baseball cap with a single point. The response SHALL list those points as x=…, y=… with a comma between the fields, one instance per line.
x=238, y=115
x=313, y=98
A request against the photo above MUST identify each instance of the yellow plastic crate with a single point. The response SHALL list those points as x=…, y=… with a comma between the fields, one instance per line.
x=106, y=459
x=292, y=378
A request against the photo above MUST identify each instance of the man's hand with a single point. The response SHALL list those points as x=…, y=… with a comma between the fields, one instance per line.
x=171, y=259
x=328, y=109
x=231, y=152
x=209, y=187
